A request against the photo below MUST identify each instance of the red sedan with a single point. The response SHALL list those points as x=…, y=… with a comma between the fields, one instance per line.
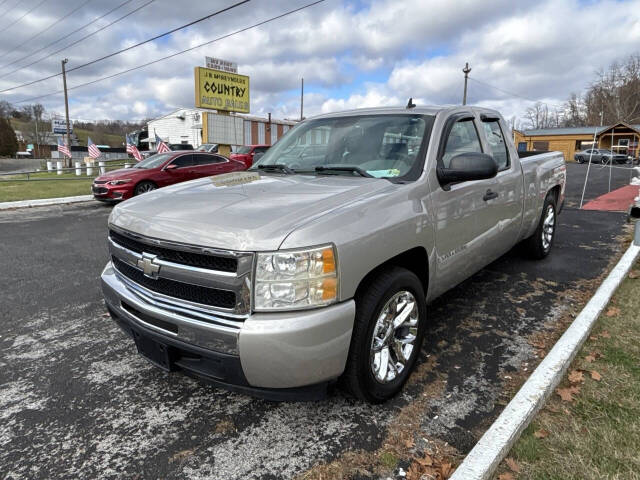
x=161, y=170
x=247, y=153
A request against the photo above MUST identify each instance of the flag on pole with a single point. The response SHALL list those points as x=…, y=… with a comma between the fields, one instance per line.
x=94, y=151
x=63, y=148
x=161, y=147
x=133, y=150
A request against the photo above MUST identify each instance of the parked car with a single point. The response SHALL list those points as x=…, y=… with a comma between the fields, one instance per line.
x=286, y=277
x=158, y=171
x=599, y=155
x=247, y=153
x=208, y=147
x=175, y=147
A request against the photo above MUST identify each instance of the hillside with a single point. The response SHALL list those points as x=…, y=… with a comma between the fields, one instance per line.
x=82, y=134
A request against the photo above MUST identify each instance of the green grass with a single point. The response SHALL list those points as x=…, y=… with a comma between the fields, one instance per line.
x=12, y=191
x=597, y=436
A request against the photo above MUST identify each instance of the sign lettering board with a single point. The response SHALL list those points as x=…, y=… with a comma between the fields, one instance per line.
x=221, y=90
x=59, y=125
x=219, y=64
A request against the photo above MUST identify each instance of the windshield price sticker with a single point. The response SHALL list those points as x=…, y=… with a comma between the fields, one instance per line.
x=234, y=178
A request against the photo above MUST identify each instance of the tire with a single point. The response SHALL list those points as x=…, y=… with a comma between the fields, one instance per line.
x=144, y=187
x=604, y=161
x=536, y=245
x=580, y=159
x=376, y=296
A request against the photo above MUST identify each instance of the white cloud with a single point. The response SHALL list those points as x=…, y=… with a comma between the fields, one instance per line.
x=350, y=55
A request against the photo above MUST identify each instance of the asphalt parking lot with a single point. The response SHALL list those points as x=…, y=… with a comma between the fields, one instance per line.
x=76, y=401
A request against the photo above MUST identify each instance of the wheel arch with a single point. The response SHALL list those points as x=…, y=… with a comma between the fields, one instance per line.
x=415, y=260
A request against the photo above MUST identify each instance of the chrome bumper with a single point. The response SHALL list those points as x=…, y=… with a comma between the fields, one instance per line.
x=276, y=350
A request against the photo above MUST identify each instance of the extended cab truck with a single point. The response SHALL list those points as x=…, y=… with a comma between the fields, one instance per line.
x=304, y=270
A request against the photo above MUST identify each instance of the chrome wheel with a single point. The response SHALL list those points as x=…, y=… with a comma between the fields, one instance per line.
x=394, y=336
x=548, y=226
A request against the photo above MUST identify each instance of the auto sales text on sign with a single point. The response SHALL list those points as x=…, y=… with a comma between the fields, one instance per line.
x=221, y=90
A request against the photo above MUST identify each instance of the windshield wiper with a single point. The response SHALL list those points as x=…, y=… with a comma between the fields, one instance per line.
x=277, y=166
x=358, y=170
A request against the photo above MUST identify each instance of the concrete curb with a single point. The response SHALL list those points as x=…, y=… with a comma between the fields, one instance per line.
x=43, y=202
x=486, y=455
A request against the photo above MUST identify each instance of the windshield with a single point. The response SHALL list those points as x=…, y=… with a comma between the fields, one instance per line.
x=244, y=150
x=205, y=147
x=383, y=146
x=154, y=161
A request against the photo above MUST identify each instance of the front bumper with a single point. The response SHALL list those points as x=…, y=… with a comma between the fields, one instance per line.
x=111, y=193
x=266, y=354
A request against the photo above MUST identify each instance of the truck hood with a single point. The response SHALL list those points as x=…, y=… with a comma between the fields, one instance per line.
x=242, y=211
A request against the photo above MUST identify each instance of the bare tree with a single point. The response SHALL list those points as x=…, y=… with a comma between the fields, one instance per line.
x=615, y=95
x=538, y=116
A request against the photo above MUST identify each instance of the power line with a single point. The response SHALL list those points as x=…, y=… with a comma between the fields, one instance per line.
x=48, y=28
x=9, y=9
x=131, y=47
x=12, y=23
x=158, y=60
x=68, y=35
x=507, y=92
x=76, y=41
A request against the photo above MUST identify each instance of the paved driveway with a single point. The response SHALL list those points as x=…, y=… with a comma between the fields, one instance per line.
x=76, y=401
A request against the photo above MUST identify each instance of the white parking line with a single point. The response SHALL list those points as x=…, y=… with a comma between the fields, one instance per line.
x=42, y=202
x=486, y=455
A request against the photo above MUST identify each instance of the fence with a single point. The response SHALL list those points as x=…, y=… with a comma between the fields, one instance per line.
x=81, y=171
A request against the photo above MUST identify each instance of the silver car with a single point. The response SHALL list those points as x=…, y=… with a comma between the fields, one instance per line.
x=307, y=269
x=600, y=155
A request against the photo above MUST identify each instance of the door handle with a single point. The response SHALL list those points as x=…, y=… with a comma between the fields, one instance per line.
x=490, y=195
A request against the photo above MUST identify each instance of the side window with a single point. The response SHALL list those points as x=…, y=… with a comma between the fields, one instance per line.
x=496, y=143
x=183, y=161
x=200, y=159
x=259, y=149
x=463, y=138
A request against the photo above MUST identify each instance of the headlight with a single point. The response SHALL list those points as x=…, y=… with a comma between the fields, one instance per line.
x=119, y=182
x=289, y=280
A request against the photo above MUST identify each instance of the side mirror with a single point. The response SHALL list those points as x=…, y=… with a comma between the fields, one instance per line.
x=468, y=166
x=171, y=166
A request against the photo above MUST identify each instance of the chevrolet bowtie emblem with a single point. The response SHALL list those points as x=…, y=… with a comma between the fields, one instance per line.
x=148, y=265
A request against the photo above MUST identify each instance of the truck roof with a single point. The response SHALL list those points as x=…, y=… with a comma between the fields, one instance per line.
x=421, y=110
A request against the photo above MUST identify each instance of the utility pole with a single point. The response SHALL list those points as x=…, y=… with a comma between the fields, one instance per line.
x=302, y=100
x=66, y=107
x=466, y=71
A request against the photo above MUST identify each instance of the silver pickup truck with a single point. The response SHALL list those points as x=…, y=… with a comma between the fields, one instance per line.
x=319, y=262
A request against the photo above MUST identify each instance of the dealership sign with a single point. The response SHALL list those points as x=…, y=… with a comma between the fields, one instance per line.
x=221, y=90
x=222, y=65
x=59, y=125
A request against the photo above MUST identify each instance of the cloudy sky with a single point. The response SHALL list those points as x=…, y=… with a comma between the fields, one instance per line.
x=351, y=53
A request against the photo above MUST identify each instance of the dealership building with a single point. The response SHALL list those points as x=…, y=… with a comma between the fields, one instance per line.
x=620, y=137
x=196, y=126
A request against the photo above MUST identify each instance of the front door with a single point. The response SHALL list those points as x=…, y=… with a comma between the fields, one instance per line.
x=463, y=215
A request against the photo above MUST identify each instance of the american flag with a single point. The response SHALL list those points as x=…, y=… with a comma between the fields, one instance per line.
x=63, y=148
x=94, y=151
x=161, y=147
x=133, y=150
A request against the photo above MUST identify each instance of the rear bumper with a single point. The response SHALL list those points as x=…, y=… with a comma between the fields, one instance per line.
x=268, y=354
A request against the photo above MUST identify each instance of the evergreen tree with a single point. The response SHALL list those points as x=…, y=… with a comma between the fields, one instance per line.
x=8, y=140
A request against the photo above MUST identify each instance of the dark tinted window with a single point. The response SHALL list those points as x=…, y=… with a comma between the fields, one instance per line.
x=200, y=159
x=496, y=141
x=463, y=138
x=260, y=149
x=183, y=161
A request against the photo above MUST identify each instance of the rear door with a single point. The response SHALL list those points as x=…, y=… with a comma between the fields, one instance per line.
x=205, y=165
x=505, y=209
x=463, y=216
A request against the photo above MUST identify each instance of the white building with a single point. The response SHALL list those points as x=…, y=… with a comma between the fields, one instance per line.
x=185, y=125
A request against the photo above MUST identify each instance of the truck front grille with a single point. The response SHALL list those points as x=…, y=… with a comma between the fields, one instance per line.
x=172, y=288
x=213, y=262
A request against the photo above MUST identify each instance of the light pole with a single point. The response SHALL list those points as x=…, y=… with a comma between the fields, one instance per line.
x=466, y=71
